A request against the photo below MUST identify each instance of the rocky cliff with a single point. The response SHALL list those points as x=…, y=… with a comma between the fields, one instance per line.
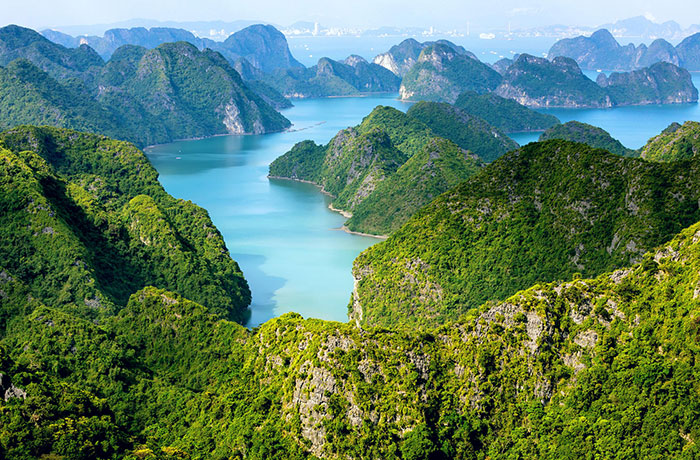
x=662, y=83
x=442, y=74
x=537, y=82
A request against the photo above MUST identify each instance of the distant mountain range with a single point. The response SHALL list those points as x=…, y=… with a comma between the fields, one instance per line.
x=442, y=74
x=602, y=51
x=174, y=91
x=638, y=27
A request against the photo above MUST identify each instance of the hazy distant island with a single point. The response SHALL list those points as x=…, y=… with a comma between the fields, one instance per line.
x=528, y=302
x=144, y=96
x=538, y=82
x=601, y=51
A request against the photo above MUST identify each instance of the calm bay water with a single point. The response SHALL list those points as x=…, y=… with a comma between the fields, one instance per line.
x=281, y=233
x=633, y=126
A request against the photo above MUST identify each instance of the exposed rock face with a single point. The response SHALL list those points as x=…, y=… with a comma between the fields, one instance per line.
x=675, y=143
x=662, y=83
x=400, y=58
x=8, y=390
x=442, y=74
x=537, y=82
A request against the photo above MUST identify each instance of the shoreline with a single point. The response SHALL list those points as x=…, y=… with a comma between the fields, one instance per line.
x=199, y=138
x=345, y=229
x=345, y=214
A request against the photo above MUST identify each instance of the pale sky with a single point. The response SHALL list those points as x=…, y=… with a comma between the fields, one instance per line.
x=40, y=14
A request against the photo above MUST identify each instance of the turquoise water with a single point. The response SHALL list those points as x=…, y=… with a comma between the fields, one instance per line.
x=281, y=233
x=633, y=126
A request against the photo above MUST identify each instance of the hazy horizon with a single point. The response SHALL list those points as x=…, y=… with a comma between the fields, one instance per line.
x=41, y=14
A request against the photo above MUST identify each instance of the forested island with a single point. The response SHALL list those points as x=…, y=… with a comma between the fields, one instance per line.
x=537, y=301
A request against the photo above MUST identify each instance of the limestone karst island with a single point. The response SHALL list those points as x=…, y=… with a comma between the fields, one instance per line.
x=349, y=231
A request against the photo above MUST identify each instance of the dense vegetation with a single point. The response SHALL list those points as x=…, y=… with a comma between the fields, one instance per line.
x=145, y=96
x=400, y=58
x=118, y=302
x=537, y=82
x=661, y=83
x=382, y=171
x=438, y=167
x=575, y=131
x=85, y=224
x=601, y=367
x=442, y=74
x=677, y=142
x=538, y=214
x=21, y=43
x=504, y=114
x=468, y=131
x=353, y=76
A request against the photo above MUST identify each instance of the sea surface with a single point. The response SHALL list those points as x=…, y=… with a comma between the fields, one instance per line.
x=633, y=125
x=282, y=233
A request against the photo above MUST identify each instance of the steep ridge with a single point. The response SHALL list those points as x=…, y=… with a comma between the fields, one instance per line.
x=382, y=171
x=537, y=82
x=504, y=114
x=601, y=51
x=538, y=214
x=86, y=223
x=353, y=76
x=442, y=74
x=662, y=83
x=677, y=142
x=532, y=376
x=145, y=96
x=583, y=133
x=19, y=42
x=438, y=167
x=400, y=58
x=465, y=130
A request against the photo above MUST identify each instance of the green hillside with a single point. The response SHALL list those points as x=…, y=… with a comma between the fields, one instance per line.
x=575, y=131
x=86, y=223
x=441, y=74
x=677, y=142
x=143, y=96
x=467, y=131
x=560, y=371
x=504, y=114
x=538, y=214
x=438, y=167
x=392, y=164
